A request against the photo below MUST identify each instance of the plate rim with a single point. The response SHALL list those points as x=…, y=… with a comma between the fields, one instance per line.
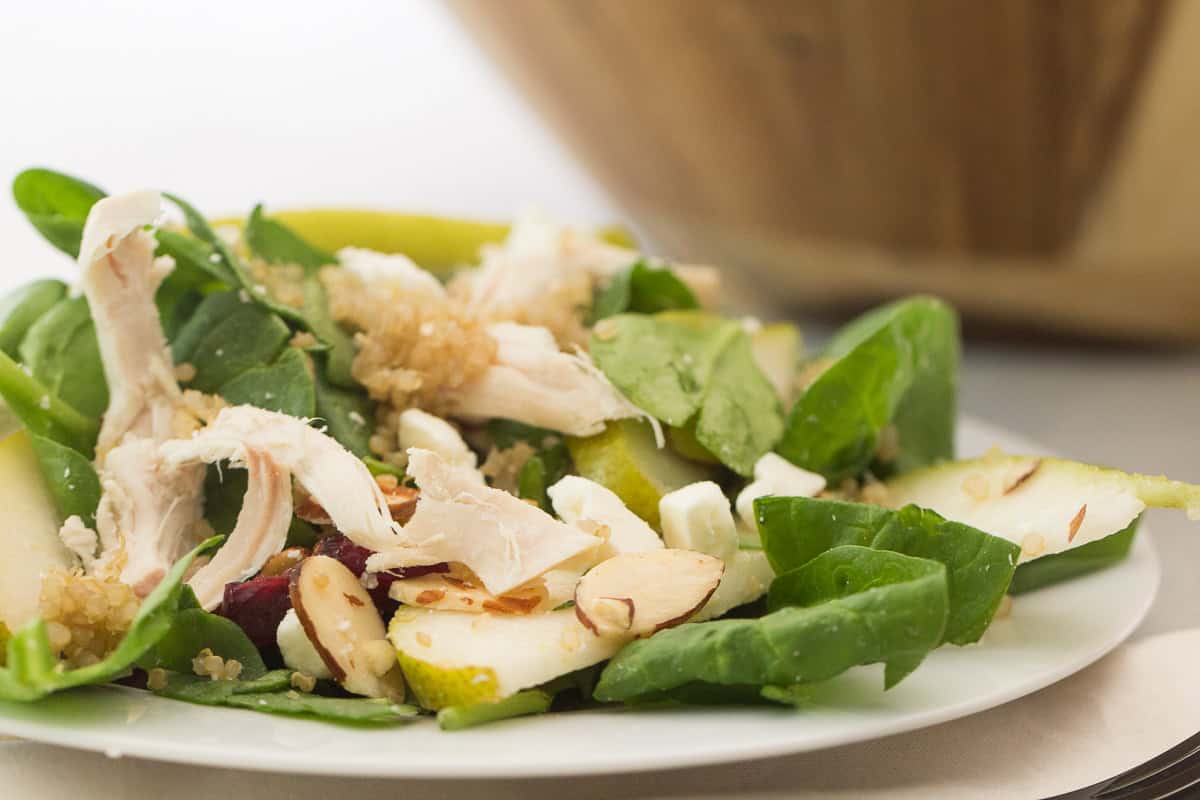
x=183, y=751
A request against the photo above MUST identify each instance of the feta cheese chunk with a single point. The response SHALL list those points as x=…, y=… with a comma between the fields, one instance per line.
x=697, y=517
x=775, y=475
x=297, y=651
x=591, y=507
x=426, y=431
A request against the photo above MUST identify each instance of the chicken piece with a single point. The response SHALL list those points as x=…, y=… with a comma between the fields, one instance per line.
x=120, y=277
x=538, y=255
x=148, y=514
x=260, y=532
x=596, y=509
x=534, y=382
x=339, y=482
x=502, y=539
x=392, y=268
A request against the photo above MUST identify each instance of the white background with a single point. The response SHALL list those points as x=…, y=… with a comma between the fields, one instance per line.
x=389, y=104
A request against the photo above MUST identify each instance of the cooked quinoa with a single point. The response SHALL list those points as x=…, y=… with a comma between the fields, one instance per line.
x=85, y=616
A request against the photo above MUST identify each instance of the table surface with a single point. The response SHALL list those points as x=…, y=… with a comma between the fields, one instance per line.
x=375, y=104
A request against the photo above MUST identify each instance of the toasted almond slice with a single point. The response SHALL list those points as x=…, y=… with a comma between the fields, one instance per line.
x=401, y=501
x=452, y=593
x=341, y=622
x=636, y=594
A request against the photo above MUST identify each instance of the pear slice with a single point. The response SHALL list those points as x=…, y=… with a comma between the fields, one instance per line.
x=626, y=459
x=777, y=349
x=343, y=626
x=1045, y=505
x=638, y=594
x=450, y=658
x=28, y=532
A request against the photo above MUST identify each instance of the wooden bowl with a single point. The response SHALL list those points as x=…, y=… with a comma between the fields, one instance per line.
x=1031, y=161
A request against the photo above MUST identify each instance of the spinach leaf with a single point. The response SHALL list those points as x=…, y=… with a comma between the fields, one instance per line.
x=211, y=311
x=274, y=242
x=56, y=204
x=42, y=412
x=644, y=289
x=271, y=693
x=176, y=299
x=852, y=606
x=195, y=629
x=23, y=306
x=521, y=704
x=551, y=459
x=1059, y=567
x=204, y=691
x=249, y=336
x=224, y=489
x=677, y=364
x=285, y=386
x=349, y=416
x=71, y=478
x=32, y=672
x=63, y=353
x=979, y=566
x=897, y=365
x=229, y=264
x=196, y=261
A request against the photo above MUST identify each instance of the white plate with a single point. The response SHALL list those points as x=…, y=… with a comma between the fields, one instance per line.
x=1050, y=634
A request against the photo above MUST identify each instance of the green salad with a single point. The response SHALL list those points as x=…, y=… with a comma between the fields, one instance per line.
x=369, y=467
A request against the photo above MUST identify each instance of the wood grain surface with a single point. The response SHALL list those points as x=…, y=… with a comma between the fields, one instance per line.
x=841, y=151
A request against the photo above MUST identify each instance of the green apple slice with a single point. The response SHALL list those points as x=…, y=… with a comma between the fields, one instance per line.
x=1045, y=505
x=626, y=459
x=28, y=532
x=451, y=658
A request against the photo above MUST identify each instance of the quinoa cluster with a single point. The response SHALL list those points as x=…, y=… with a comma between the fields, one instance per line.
x=85, y=616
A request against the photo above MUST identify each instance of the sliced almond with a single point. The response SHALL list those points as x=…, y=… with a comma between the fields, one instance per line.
x=459, y=592
x=637, y=594
x=341, y=622
x=401, y=500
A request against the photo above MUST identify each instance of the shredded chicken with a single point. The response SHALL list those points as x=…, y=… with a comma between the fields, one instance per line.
x=260, y=532
x=337, y=480
x=148, y=516
x=534, y=382
x=502, y=539
x=120, y=277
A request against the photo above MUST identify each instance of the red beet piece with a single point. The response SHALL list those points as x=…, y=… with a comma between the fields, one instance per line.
x=258, y=606
x=354, y=557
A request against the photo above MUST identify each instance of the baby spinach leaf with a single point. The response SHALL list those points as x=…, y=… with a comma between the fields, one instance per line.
x=850, y=606
x=211, y=311
x=247, y=338
x=71, y=478
x=521, y=704
x=194, y=630
x=505, y=433
x=360, y=710
x=285, y=386
x=1059, y=567
x=979, y=566
x=896, y=365
x=23, y=306
x=272, y=693
x=675, y=364
x=644, y=289
x=62, y=351
x=42, y=412
x=56, y=204
x=195, y=260
x=224, y=489
x=349, y=416
x=203, y=690
x=32, y=672
x=740, y=419
x=275, y=243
